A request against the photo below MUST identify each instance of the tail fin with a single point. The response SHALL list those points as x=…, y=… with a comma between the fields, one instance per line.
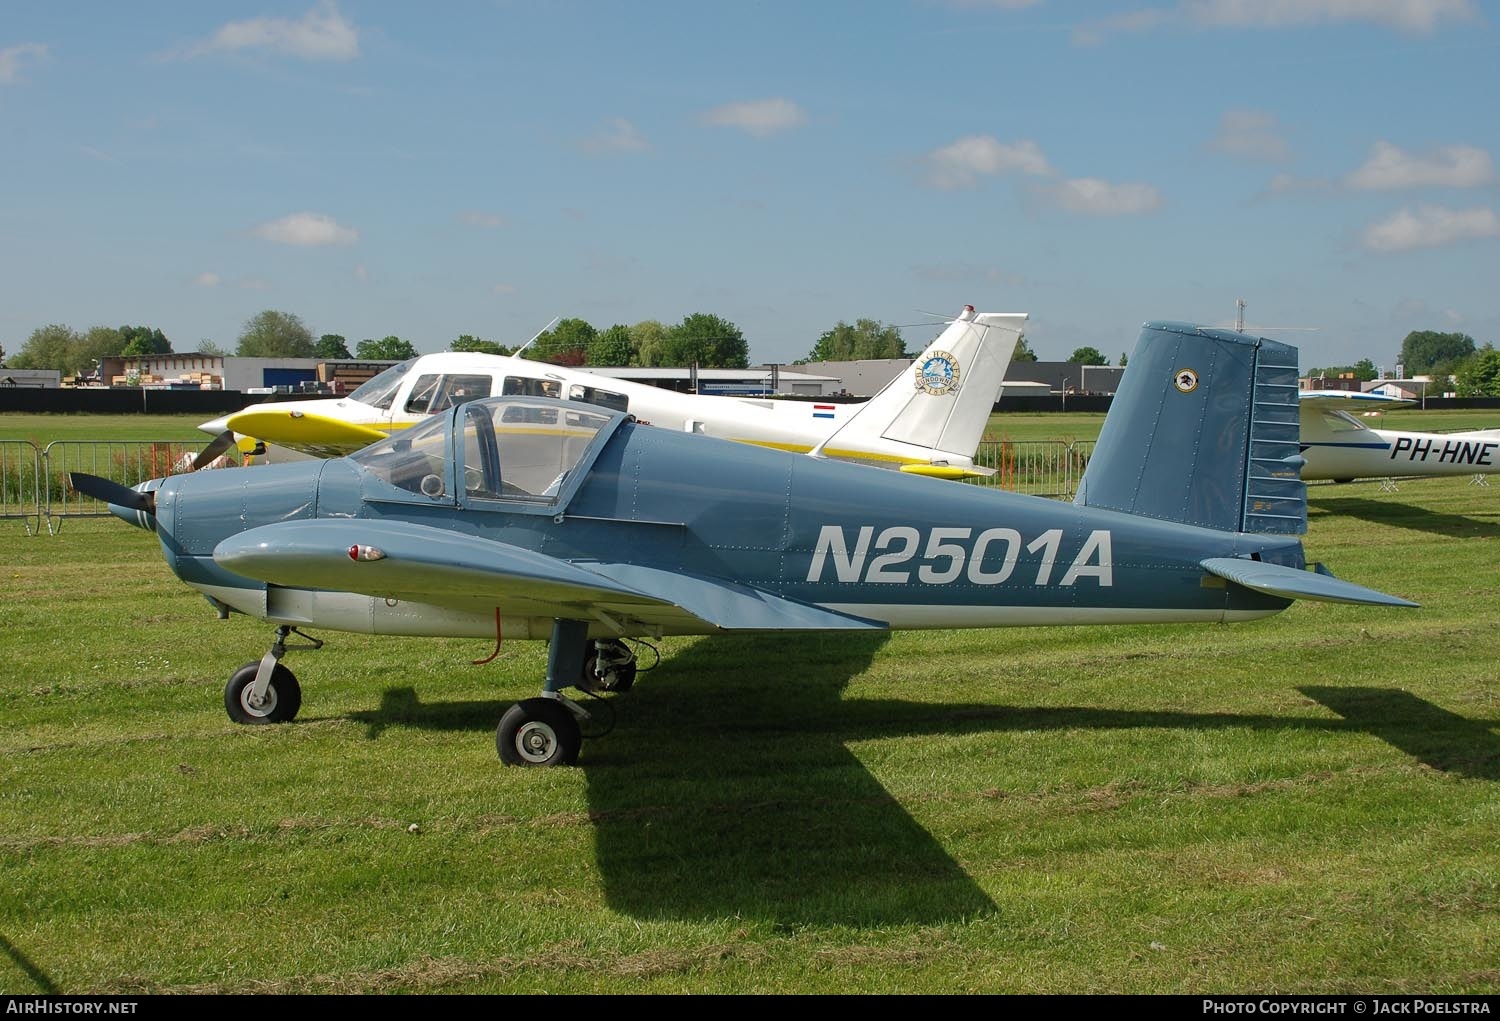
x=1203, y=431
x=942, y=402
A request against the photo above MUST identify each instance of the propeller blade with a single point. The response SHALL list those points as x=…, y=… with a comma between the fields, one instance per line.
x=112, y=492
x=220, y=443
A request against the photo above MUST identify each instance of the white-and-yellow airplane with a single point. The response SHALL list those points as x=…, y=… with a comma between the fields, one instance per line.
x=928, y=420
x=1336, y=445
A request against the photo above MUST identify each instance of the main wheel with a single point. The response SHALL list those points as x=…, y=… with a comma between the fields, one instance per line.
x=538, y=732
x=619, y=668
x=283, y=696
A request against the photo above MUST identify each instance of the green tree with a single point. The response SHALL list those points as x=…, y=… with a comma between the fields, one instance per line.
x=390, y=349
x=865, y=339
x=272, y=334
x=567, y=343
x=1479, y=375
x=331, y=345
x=612, y=347
x=1423, y=350
x=1088, y=356
x=472, y=344
x=1364, y=370
x=208, y=347
x=648, y=343
x=1122, y=359
x=143, y=340
x=99, y=343
x=1023, y=352
x=50, y=347
x=708, y=341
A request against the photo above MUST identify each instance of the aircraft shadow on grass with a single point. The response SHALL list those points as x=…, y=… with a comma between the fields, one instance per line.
x=703, y=807
x=39, y=978
x=1401, y=515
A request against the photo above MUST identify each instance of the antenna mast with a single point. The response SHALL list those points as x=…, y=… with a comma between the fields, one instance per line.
x=1239, y=315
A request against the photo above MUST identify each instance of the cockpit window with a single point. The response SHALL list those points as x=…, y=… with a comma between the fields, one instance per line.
x=525, y=386
x=414, y=459
x=432, y=393
x=603, y=398
x=1342, y=422
x=380, y=391
x=524, y=450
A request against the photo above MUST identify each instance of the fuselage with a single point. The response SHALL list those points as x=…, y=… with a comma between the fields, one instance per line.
x=906, y=552
x=1338, y=446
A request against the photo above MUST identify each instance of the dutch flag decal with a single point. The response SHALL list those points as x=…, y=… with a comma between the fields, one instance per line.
x=822, y=411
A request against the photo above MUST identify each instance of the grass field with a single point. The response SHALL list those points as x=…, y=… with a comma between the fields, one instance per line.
x=1307, y=803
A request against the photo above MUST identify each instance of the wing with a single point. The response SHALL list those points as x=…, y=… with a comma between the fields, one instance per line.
x=306, y=431
x=414, y=562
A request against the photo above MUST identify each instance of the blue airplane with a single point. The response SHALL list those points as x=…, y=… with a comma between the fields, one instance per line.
x=532, y=518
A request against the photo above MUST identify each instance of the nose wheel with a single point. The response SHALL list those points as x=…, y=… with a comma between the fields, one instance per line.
x=282, y=698
x=265, y=691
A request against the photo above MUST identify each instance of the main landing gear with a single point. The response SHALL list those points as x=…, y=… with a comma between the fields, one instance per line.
x=264, y=691
x=547, y=730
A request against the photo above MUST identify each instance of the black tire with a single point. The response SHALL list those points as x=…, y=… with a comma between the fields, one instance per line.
x=538, y=732
x=283, y=696
x=616, y=678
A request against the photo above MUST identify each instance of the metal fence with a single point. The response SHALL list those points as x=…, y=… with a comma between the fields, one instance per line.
x=20, y=483
x=1035, y=467
x=34, y=481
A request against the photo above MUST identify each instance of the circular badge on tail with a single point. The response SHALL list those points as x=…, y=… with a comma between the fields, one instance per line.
x=938, y=374
x=1186, y=380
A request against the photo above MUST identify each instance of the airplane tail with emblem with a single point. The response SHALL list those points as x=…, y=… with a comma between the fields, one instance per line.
x=942, y=401
x=1204, y=431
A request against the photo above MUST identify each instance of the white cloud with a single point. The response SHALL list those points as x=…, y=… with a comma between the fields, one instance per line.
x=323, y=33
x=759, y=117
x=1403, y=15
x=306, y=229
x=1094, y=197
x=615, y=135
x=480, y=218
x=1430, y=227
x=1451, y=166
x=962, y=163
x=13, y=58
x=207, y=280
x=1251, y=134
x=1409, y=16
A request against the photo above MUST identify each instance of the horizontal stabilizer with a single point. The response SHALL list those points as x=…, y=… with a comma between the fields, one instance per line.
x=948, y=471
x=1290, y=583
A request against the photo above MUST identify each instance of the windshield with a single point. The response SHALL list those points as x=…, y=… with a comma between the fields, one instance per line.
x=414, y=459
x=379, y=391
x=1342, y=422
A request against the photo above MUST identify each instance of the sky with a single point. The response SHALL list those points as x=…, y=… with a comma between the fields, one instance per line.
x=479, y=168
